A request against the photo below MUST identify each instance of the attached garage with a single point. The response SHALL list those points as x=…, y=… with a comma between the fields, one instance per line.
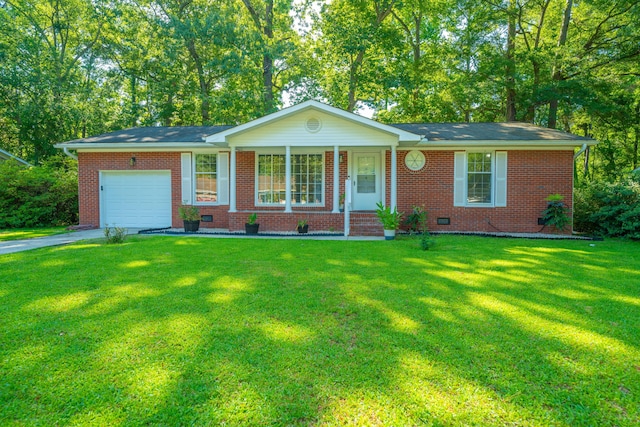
x=136, y=199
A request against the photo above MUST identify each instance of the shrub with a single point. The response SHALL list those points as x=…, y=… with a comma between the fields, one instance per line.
x=115, y=235
x=609, y=209
x=556, y=213
x=416, y=221
x=38, y=196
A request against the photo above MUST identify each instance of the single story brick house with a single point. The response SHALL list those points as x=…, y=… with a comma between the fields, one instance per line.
x=293, y=164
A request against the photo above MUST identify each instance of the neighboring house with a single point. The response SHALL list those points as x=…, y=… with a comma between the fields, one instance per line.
x=5, y=155
x=293, y=164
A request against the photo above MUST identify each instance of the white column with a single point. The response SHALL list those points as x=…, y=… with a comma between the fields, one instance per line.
x=394, y=177
x=232, y=180
x=287, y=204
x=336, y=179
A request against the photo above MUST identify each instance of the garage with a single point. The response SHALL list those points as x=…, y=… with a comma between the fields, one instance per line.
x=140, y=199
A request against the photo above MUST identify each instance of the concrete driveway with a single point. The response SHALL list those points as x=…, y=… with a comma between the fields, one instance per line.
x=55, y=240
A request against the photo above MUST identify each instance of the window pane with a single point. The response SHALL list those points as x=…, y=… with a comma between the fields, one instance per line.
x=479, y=178
x=206, y=178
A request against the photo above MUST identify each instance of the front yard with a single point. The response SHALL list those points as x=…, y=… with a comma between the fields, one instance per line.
x=197, y=331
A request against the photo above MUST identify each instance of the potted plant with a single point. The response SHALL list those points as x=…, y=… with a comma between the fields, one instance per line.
x=303, y=226
x=251, y=227
x=390, y=220
x=190, y=217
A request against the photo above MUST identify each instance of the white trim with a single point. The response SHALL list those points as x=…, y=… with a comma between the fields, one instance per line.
x=479, y=144
x=135, y=146
x=336, y=179
x=394, y=177
x=287, y=179
x=232, y=180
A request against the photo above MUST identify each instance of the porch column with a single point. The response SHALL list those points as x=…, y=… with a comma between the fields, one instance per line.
x=394, y=177
x=287, y=204
x=232, y=180
x=336, y=179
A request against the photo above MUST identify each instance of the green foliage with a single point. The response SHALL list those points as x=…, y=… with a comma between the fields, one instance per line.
x=390, y=219
x=252, y=218
x=38, y=196
x=556, y=214
x=302, y=223
x=189, y=213
x=609, y=209
x=115, y=235
x=416, y=221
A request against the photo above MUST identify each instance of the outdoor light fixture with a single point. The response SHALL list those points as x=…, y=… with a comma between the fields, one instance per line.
x=341, y=158
x=132, y=161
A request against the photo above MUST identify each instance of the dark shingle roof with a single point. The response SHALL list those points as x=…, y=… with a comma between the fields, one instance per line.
x=432, y=131
x=512, y=131
x=155, y=134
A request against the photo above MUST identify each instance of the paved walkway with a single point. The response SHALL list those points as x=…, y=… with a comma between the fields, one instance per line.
x=56, y=240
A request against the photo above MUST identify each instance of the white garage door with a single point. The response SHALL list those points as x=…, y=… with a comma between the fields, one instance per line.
x=136, y=199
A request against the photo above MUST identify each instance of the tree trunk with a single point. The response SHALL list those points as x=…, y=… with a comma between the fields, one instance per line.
x=510, y=72
x=557, y=69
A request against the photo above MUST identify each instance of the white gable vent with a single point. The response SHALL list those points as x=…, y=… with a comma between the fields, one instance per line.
x=313, y=125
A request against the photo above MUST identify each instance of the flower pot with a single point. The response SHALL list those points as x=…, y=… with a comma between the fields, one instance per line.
x=251, y=228
x=191, y=226
x=303, y=229
x=389, y=234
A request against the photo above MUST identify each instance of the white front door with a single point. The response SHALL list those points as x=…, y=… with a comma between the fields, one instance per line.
x=367, y=181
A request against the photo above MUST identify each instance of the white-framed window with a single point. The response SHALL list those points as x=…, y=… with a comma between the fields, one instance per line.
x=480, y=178
x=205, y=178
x=307, y=179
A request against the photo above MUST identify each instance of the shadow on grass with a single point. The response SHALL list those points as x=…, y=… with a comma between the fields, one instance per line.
x=280, y=332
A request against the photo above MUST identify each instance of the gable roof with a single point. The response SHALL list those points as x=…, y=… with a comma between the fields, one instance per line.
x=402, y=135
x=153, y=134
x=5, y=155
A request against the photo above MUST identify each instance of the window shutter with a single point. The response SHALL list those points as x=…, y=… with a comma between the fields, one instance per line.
x=223, y=178
x=187, y=191
x=501, y=179
x=459, y=178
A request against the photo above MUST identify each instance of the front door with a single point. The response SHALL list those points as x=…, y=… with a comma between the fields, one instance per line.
x=367, y=182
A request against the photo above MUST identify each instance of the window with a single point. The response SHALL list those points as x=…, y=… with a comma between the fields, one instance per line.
x=306, y=179
x=479, y=177
x=206, y=178
x=271, y=178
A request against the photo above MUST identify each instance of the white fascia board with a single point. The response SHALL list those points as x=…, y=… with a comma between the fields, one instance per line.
x=221, y=137
x=541, y=144
x=134, y=146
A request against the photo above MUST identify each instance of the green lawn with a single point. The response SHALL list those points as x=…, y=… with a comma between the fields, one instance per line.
x=195, y=331
x=30, y=233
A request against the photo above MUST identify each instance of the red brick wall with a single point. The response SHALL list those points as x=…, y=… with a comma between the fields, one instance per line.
x=531, y=177
x=90, y=165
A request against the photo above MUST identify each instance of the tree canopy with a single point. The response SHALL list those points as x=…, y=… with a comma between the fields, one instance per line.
x=73, y=68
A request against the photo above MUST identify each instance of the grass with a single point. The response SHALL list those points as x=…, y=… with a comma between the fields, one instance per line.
x=193, y=331
x=30, y=233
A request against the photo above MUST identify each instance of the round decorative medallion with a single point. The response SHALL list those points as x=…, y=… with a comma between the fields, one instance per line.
x=415, y=160
x=313, y=125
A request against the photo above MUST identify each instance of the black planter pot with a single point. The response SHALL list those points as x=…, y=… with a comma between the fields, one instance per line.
x=191, y=226
x=251, y=228
x=303, y=229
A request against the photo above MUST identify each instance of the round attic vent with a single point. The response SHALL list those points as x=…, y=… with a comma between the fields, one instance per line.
x=313, y=124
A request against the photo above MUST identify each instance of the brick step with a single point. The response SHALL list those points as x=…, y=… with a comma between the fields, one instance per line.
x=365, y=224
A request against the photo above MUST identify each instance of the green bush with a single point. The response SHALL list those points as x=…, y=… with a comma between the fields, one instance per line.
x=608, y=209
x=38, y=196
